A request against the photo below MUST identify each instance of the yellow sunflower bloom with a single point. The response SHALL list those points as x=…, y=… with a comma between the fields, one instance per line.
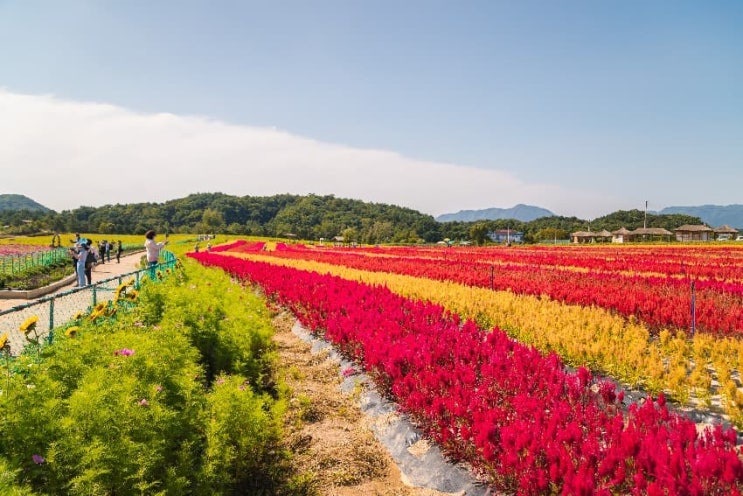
x=71, y=332
x=29, y=324
x=3, y=340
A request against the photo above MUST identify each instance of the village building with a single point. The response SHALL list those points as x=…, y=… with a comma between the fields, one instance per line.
x=506, y=236
x=651, y=234
x=622, y=235
x=725, y=233
x=690, y=232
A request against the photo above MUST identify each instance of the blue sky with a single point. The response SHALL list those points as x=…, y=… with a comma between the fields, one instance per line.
x=582, y=107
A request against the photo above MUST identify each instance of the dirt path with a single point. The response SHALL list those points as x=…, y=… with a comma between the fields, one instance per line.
x=325, y=428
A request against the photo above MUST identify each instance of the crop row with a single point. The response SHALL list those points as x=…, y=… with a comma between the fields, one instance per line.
x=660, y=301
x=513, y=413
x=609, y=344
x=699, y=261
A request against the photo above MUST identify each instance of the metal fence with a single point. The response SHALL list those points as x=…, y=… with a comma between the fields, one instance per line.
x=14, y=264
x=58, y=309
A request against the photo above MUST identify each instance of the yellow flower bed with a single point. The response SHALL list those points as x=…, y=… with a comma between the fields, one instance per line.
x=589, y=336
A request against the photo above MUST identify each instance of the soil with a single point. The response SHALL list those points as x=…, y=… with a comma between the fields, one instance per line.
x=330, y=437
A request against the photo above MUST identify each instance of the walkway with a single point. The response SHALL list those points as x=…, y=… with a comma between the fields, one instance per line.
x=129, y=263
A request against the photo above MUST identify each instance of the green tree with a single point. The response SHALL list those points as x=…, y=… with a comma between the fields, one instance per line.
x=479, y=233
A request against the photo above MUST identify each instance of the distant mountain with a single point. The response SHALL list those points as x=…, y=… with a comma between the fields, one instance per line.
x=524, y=213
x=20, y=202
x=713, y=215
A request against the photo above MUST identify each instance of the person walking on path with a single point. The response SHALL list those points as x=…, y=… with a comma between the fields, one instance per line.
x=119, y=251
x=153, y=250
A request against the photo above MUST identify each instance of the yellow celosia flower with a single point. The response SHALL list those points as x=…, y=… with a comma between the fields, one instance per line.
x=29, y=324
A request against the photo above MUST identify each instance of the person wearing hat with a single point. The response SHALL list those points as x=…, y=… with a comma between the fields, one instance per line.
x=80, y=253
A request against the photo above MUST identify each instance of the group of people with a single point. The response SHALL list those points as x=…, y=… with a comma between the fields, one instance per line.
x=85, y=256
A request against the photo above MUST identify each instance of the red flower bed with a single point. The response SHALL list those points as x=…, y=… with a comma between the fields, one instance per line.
x=517, y=416
x=658, y=301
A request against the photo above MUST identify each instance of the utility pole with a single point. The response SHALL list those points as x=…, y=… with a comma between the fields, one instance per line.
x=645, y=222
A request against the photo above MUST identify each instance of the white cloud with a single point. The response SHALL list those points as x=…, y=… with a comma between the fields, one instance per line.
x=65, y=154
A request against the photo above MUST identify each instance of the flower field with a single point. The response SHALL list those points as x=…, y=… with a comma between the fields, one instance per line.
x=426, y=325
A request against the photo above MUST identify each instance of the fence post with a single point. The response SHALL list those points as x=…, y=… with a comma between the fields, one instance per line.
x=95, y=296
x=51, y=320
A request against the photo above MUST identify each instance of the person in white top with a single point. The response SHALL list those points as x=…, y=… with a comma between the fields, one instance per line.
x=153, y=249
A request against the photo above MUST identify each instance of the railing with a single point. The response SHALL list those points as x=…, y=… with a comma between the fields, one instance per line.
x=14, y=264
x=58, y=309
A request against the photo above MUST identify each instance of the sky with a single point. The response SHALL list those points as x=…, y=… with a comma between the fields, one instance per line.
x=581, y=107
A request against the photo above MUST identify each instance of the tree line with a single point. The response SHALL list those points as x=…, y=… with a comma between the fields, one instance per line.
x=306, y=217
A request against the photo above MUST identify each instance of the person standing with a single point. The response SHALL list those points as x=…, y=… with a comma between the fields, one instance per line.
x=80, y=254
x=153, y=250
x=109, y=247
x=90, y=261
x=119, y=251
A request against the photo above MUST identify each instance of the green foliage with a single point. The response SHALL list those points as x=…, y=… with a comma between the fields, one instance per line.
x=229, y=326
x=479, y=233
x=309, y=217
x=125, y=406
x=8, y=478
x=37, y=276
x=240, y=430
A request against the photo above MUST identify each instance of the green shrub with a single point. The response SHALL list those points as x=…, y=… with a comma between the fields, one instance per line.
x=241, y=429
x=142, y=403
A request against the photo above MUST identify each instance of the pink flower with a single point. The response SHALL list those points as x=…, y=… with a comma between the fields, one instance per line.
x=159, y=388
x=124, y=352
x=144, y=402
x=38, y=459
x=349, y=372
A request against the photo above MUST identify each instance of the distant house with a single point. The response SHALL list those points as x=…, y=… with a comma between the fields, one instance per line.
x=583, y=237
x=690, y=232
x=590, y=236
x=725, y=233
x=650, y=234
x=621, y=235
x=506, y=236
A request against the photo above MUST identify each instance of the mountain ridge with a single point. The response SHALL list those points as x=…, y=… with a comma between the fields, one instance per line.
x=521, y=212
x=713, y=215
x=9, y=201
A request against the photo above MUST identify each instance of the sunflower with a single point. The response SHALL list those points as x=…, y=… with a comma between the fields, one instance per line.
x=78, y=316
x=29, y=324
x=120, y=289
x=71, y=332
x=4, y=341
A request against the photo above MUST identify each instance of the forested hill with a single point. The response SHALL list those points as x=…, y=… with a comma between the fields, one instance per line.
x=307, y=217
x=20, y=202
